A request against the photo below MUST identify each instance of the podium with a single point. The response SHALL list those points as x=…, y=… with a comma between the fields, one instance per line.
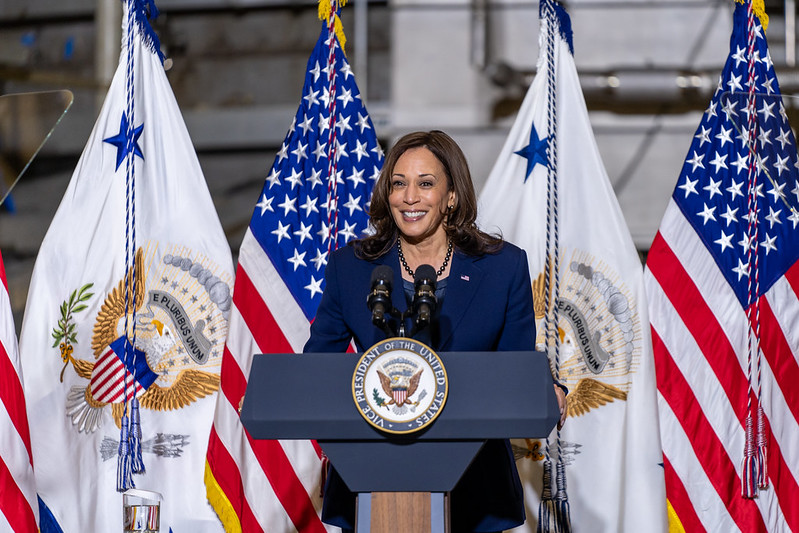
x=492, y=395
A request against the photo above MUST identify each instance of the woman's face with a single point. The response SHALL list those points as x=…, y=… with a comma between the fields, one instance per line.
x=419, y=195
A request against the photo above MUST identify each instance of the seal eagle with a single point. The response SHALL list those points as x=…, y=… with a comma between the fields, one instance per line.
x=399, y=388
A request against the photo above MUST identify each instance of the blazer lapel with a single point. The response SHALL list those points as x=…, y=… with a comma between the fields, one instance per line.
x=464, y=279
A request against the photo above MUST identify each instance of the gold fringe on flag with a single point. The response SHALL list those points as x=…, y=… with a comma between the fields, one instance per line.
x=220, y=502
x=324, y=14
x=759, y=7
x=675, y=525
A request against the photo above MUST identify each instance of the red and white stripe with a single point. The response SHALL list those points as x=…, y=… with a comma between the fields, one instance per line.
x=699, y=336
x=18, y=505
x=109, y=379
x=400, y=395
x=273, y=485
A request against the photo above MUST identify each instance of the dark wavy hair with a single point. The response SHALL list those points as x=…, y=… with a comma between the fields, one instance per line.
x=459, y=223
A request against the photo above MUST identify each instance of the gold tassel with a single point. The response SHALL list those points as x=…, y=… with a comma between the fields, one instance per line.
x=324, y=14
x=340, y=34
x=759, y=7
x=324, y=9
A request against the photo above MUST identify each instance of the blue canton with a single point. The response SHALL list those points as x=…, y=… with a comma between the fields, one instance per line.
x=299, y=219
x=712, y=188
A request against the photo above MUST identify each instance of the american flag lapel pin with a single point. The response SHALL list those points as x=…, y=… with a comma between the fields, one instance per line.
x=464, y=277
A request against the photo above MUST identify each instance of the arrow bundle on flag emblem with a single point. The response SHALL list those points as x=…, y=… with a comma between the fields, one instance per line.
x=313, y=201
x=722, y=278
x=549, y=193
x=127, y=312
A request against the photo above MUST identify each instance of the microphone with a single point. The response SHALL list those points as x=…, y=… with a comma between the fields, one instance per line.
x=424, y=297
x=379, y=299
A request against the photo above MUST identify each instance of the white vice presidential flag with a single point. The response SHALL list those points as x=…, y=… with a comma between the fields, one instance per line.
x=72, y=342
x=610, y=447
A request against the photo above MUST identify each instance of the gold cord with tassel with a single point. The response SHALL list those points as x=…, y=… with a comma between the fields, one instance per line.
x=324, y=13
x=759, y=7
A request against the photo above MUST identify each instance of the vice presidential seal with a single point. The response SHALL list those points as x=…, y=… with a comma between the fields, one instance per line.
x=400, y=385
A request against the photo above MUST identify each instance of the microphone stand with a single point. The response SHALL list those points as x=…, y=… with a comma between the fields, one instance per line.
x=384, y=326
x=401, y=318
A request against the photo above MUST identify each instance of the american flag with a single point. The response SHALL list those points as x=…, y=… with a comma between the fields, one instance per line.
x=710, y=274
x=18, y=507
x=314, y=200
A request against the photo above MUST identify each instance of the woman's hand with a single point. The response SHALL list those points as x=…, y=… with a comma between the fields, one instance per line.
x=562, y=405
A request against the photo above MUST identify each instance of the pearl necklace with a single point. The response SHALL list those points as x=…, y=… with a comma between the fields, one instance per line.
x=411, y=272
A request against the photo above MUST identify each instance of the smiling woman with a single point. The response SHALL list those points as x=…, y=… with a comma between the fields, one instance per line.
x=424, y=210
x=424, y=200
x=419, y=200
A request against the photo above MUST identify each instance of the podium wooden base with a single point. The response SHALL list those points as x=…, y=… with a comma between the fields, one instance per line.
x=411, y=512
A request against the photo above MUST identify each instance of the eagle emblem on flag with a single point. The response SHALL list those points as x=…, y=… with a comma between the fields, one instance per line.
x=177, y=346
x=599, y=334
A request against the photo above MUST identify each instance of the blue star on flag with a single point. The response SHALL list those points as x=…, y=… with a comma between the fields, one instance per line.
x=123, y=143
x=535, y=152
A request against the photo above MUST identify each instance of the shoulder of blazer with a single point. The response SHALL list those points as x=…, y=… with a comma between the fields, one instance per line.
x=346, y=256
x=508, y=254
x=354, y=273
x=343, y=255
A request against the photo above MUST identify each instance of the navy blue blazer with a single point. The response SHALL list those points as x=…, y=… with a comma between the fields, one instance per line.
x=488, y=306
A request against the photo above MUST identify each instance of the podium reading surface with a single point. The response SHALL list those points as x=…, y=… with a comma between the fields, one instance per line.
x=492, y=395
